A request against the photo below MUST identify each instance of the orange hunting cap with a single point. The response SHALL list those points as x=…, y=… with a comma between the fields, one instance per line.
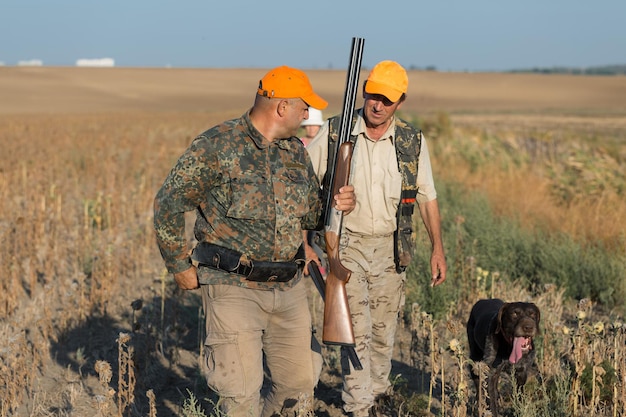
x=287, y=82
x=389, y=79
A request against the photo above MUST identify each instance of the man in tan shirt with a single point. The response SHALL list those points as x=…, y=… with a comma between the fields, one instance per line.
x=376, y=287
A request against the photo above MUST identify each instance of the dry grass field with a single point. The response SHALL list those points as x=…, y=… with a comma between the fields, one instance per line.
x=36, y=90
x=92, y=325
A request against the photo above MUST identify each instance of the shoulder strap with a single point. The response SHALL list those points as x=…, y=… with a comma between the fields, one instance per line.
x=408, y=142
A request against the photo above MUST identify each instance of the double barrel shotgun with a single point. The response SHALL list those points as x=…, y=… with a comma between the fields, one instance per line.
x=337, y=328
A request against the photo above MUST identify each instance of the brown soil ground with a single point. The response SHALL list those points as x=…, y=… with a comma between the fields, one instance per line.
x=471, y=99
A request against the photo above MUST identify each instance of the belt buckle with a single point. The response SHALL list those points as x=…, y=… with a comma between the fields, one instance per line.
x=245, y=270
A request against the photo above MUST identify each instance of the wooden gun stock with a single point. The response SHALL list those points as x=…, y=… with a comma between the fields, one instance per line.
x=337, y=321
x=320, y=284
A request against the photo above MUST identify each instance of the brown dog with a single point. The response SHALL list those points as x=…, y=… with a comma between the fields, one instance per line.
x=501, y=335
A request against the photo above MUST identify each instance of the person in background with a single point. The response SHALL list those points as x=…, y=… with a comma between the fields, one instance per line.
x=391, y=173
x=311, y=125
x=253, y=189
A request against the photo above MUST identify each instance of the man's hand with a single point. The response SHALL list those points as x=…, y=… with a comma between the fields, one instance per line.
x=438, y=268
x=309, y=252
x=346, y=199
x=188, y=279
x=432, y=220
x=311, y=256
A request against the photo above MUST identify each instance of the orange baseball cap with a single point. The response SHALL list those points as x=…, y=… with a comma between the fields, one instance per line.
x=389, y=79
x=287, y=82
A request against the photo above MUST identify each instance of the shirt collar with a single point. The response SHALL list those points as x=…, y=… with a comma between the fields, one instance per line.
x=360, y=128
x=259, y=140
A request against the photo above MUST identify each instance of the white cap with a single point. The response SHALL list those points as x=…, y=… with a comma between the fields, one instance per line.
x=315, y=118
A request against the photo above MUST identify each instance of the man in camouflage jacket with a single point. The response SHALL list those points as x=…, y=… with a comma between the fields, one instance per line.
x=254, y=190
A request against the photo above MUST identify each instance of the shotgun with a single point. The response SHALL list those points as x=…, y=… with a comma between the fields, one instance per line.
x=337, y=320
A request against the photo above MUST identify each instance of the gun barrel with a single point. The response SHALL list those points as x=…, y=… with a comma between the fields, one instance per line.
x=345, y=120
x=352, y=81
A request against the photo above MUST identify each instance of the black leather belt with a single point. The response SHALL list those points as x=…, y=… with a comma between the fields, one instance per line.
x=224, y=259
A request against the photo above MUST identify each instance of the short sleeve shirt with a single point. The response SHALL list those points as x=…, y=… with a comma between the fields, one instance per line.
x=375, y=176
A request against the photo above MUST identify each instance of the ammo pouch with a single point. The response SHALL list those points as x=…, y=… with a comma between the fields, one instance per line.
x=224, y=259
x=404, y=247
x=404, y=241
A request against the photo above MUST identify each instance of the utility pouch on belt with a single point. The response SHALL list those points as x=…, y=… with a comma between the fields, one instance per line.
x=224, y=259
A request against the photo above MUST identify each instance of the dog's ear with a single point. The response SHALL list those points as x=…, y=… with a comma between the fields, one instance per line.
x=538, y=314
x=499, y=318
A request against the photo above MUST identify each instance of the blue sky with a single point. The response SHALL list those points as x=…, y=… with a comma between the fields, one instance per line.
x=450, y=35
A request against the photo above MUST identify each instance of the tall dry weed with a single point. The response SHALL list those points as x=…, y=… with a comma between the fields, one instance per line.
x=76, y=195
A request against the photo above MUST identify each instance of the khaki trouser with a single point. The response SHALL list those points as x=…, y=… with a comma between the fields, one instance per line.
x=375, y=296
x=247, y=328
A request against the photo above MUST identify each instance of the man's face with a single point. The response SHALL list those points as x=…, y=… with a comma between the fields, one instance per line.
x=311, y=130
x=298, y=111
x=378, y=109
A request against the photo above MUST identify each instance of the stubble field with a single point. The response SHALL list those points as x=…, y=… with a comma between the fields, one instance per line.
x=92, y=325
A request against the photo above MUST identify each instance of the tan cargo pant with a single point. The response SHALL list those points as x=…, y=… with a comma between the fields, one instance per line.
x=246, y=328
x=375, y=296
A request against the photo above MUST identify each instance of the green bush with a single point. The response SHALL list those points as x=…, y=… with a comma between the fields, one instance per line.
x=604, y=382
x=476, y=238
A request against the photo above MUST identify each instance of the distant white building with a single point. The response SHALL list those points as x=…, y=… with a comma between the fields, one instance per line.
x=97, y=62
x=30, y=63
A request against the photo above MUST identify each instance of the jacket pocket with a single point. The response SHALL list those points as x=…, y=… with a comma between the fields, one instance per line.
x=291, y=187
x=250, y=197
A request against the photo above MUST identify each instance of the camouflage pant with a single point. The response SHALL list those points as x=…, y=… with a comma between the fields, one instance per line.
x=247, y=328
x=376, y=295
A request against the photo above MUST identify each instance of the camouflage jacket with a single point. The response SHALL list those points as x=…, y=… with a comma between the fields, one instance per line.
x=250, y=195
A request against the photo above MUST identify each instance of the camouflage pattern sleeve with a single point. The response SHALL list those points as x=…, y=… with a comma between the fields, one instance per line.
x=182, y=191
x=311, y=220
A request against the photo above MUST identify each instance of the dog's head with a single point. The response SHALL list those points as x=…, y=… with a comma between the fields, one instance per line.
x=518, y=323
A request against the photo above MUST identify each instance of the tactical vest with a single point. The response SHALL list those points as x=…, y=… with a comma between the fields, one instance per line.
x=407, y=141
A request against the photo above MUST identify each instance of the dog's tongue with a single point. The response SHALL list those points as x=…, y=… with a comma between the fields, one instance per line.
x=516, y=353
